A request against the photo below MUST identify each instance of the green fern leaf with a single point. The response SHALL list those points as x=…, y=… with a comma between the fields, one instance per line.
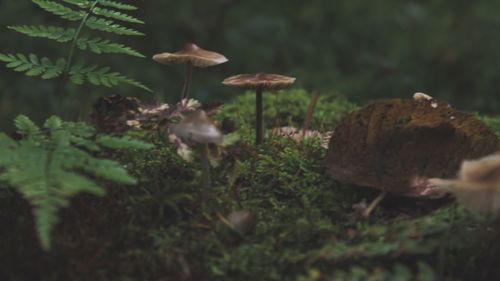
x=115, y=15
x=83, y=4
x=109, y=170
x=33, y=66
x=117, y=5
x=25, y=126
x=45, y=68
x=58, y=34
x=60, y=10
x=80, y=73
x=99, y=46
x=110, y=26
x=121, y=143
x=6, y=144
x=47, y=168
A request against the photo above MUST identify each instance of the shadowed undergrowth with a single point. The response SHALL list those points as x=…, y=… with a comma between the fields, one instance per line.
x=305, y=226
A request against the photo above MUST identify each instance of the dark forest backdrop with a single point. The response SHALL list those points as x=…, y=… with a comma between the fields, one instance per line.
x=364, y=50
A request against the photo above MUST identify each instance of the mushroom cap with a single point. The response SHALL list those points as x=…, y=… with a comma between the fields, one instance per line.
x=191, y=53
x=198, y=128
x=259, y=80
x=393, y=144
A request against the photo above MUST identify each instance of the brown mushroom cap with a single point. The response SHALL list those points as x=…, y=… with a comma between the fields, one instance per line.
x=394, y=144
x=259, y=80
x=191, y=53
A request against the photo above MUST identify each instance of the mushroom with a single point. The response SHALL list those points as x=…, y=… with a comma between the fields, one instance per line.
x=192, y=56
x=242, y=222
x=477, y=187
x=198, y=128
x=259, y=82
x=397, y=145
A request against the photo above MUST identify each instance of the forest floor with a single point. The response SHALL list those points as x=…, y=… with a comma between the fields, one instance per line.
x=302, y=225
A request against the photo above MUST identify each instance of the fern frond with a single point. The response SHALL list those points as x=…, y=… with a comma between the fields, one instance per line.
x=80, y=73
x=60, y=10
x=117, y=5
x=83, y=4
x=99, y=46
x=6, y=144
x=121, y=143
x=110, y=26
x=44, y=67
x=33, y=66
x=102, y=168
x=48, y=169
x=25, y=126
x=58, y=34
x=116, y=15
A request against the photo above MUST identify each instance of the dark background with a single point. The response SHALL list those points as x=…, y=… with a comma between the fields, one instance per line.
x=364, y=50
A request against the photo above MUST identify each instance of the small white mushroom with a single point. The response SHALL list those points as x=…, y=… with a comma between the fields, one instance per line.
x=198, y=128
x=242, y=222
x=421, y=96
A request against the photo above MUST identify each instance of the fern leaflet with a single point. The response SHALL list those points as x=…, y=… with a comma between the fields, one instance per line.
x=48, y=168
x=33, y=66
x=115, y=15
x=99, y=46
x=110, y=26
x=84, y=4
x=58, y=34
x=60, y=10
x=80, y=73
x=117, y=5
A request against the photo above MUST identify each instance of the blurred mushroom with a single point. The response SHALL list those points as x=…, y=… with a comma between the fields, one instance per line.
x=243, y=222
x=477, y=187
x=192, y=56
x=197, y=127
x=259, y=82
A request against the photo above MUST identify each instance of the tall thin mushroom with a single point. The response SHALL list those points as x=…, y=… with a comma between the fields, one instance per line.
x=259, y=82
x=198, y=128
x=192, y=56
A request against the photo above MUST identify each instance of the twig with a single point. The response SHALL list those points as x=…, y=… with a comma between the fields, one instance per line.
x=309, y=114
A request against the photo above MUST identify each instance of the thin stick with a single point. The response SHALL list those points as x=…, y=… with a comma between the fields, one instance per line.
x=187, y=80
x=309, y=115
x=374, y=204
x=258, y=117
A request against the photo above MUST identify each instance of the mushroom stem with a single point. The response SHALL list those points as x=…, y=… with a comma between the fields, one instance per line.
x=258, y=117
x=374, y=204
x=187, y=80
x=205, y=170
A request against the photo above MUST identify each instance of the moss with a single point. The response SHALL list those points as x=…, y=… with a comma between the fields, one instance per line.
x=305, y=226
x=493, y=122
x=288, y=108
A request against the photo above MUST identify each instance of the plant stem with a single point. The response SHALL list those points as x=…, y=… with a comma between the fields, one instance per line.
x=64, y=77
x=309, y=114
x=77, y=35
x=205, y=171
x=187, y=80
x=258, y=117
x=374, y=204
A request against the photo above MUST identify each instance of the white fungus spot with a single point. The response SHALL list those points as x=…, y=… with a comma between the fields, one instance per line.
x=421, y=96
